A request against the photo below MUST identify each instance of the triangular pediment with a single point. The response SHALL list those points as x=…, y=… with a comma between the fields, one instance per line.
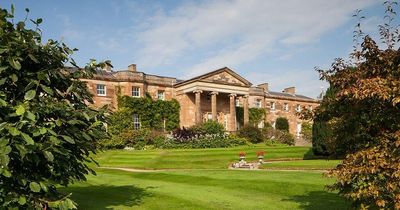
x=222, y=76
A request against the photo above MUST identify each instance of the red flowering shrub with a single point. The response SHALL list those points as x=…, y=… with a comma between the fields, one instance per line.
x=260, y=153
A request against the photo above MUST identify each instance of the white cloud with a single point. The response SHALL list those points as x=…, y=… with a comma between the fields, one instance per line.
x=237, y=31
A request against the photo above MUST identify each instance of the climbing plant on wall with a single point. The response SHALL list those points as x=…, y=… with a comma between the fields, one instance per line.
x=157, y=114
x=256, y=115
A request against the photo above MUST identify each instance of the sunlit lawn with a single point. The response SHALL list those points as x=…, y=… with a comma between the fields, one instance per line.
x=197, y=158
x=213, y=188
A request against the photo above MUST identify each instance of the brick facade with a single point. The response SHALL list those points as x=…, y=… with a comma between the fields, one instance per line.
x=217, y=93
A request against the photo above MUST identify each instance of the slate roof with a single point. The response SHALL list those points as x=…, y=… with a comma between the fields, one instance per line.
x=290, y=96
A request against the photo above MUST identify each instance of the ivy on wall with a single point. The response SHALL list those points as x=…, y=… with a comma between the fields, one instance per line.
x=154, y=114
x=256, y=115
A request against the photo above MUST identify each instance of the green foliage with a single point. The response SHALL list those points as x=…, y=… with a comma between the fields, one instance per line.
x=282, y=124
x=205, y=141
x=306, y=131
x=152, y=113
x=47, y=131
x=239, y=115
x=209, y=127
x=322, y=135
x=253, y=134
x=134, y=139
x=321, y=138
x=272, y=135
x=256, y=115
x=365, y=118
x=206, y=135
x=210, y=134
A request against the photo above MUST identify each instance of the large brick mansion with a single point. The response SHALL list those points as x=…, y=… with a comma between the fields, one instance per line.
x=213, y=95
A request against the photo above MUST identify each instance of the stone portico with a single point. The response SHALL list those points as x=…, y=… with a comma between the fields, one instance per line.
x=212, y=96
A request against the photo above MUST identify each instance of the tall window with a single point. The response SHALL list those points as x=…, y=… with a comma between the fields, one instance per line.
x=136, y=122
x=101, y=89
x=298, y=108
x=258, y=103
x=298, y=129
x=161, y=95
x=286, y=107
x=237, y=102
x=136, y=91
x=272, y=105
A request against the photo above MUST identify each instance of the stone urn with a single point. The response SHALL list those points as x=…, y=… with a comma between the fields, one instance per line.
x=242, y=156
x=260, y=159
x=260, y=156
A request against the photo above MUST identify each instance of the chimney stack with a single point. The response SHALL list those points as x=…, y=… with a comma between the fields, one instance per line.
x=263, y=86
x=290, y=90
x=132, y=68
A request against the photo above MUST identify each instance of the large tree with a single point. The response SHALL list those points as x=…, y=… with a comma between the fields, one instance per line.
x=365, y=118
x=47, y=131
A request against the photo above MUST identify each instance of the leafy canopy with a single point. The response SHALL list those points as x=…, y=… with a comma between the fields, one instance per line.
x=47, y=131
x=365, y=118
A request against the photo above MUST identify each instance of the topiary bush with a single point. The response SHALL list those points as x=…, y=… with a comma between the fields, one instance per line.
x=282, y=124
x=251, y=133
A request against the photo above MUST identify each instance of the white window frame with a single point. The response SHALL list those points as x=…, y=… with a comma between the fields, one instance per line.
x=237, y=102
x=298, y=129
x=273, y=105
x=162, y=94
x=99, y=90
x=136, y=122
x=310, y=107
x=298, y=108
x=286, y=107
x=135, y=90
x=258, y=103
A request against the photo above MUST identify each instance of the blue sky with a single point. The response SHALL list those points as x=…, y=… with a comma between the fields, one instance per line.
x=273, y=41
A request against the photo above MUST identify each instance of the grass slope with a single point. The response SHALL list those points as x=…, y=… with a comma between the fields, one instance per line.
x=205, y=189
x=199, y=180
x=196, y=158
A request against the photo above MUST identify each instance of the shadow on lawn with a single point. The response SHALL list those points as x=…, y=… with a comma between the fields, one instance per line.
x=317, y=200
x=102, y=197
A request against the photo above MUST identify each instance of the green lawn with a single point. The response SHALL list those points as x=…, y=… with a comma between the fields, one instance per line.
x=196, y=158
x=201, y=181
x=302, y=164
